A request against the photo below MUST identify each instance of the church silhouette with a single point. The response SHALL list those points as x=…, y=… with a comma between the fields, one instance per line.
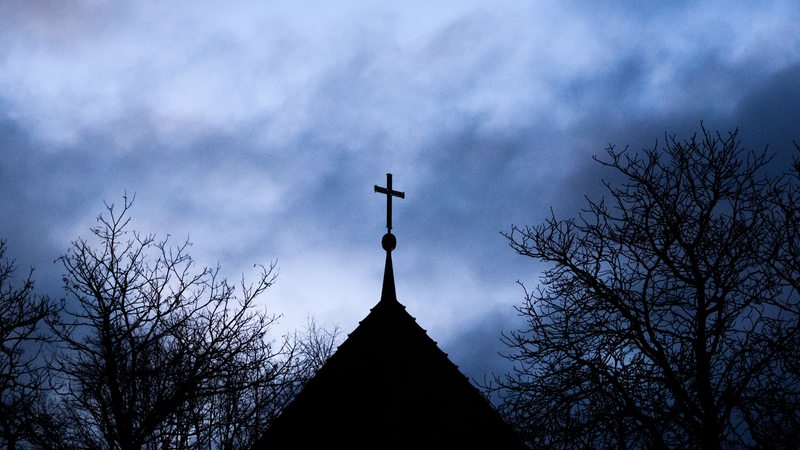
x=388, y=385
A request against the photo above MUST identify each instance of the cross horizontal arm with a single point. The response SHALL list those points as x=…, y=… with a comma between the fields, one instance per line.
x=383, y=190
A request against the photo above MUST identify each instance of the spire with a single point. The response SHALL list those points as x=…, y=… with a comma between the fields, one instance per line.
x=389, y=242
x=388, y=294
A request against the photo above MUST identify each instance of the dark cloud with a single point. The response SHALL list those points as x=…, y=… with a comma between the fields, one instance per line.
x=258, y=132
x=769, y=114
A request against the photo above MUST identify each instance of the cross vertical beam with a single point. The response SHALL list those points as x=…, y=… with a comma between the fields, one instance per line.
x=389, y=194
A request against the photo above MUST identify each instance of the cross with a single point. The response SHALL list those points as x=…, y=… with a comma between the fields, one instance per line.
x=389, y=194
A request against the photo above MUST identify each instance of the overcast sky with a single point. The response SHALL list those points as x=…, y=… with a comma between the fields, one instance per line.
x=257, y=130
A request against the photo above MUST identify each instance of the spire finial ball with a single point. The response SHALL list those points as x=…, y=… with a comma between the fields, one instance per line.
x=388, y=242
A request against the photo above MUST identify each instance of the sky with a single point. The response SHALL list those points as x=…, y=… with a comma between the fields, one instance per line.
x=257, y=130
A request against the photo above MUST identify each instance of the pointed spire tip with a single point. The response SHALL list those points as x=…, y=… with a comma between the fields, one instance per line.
x=388, y=293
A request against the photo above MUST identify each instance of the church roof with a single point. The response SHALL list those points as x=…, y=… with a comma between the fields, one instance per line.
x=388, y=385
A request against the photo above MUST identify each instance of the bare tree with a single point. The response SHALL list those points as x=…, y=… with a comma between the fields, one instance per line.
x=249, y=410
x=21, y=368
x=667, y=316
x=314, y=345
x=156, y=353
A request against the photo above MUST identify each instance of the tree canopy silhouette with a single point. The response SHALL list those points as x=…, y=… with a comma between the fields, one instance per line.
x=157, y=353
x=668, y=314
x=22, y=371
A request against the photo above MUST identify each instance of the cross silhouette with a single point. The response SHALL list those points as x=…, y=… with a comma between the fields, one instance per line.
x=389, y=194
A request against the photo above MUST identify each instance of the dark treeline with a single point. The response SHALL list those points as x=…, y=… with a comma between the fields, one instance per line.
x=669, y=314
x=145, y=351
x=668, y=317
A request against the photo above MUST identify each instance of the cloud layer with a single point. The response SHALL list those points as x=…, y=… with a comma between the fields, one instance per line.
x=257, y=129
